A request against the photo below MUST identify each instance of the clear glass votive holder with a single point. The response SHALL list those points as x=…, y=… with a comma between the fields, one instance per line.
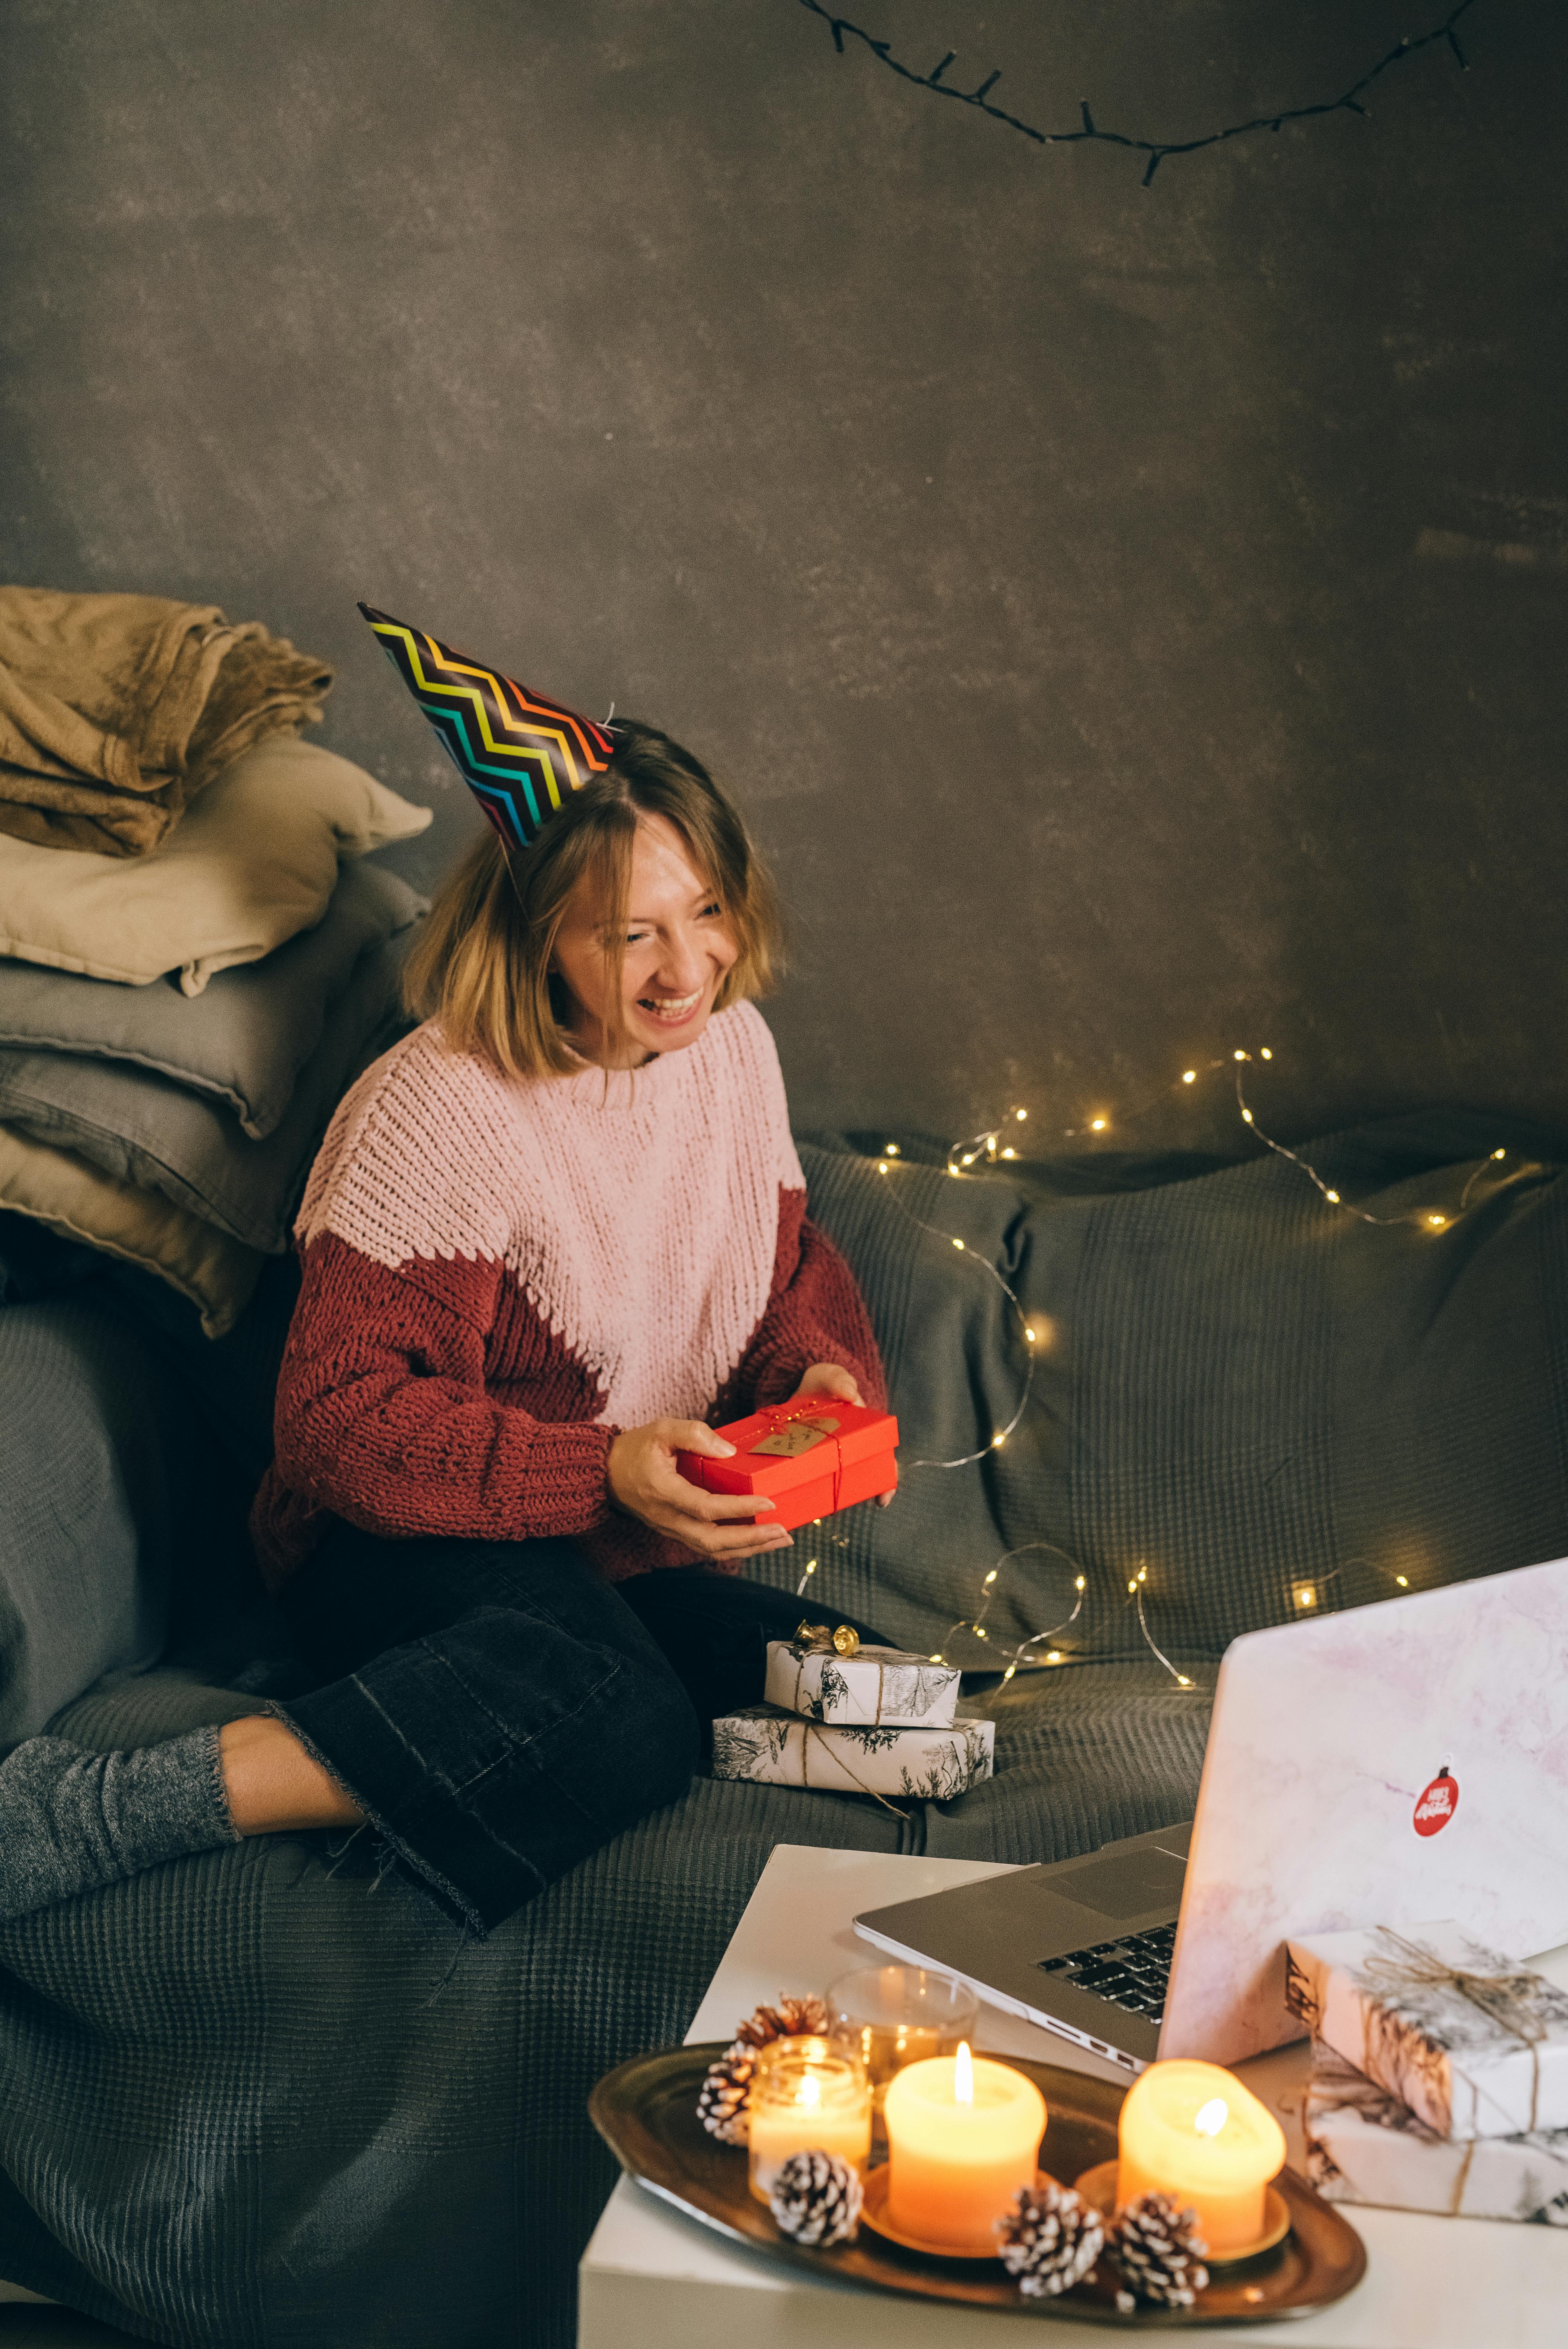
x=806, y=2093
x=894, y=2015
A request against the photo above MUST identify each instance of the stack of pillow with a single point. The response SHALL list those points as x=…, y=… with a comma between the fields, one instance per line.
x=176, y=1029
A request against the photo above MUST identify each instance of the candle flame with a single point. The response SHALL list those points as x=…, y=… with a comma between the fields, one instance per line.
x=1210, y=2118
x=963, y=2075
x=811, y=2092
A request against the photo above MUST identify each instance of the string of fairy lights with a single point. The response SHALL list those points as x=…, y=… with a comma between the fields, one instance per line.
x=1442, y=35
x=1309, y=1593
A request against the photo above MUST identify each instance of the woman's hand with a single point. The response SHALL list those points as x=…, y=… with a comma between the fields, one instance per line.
x=645, y=1483
x=832, y=1379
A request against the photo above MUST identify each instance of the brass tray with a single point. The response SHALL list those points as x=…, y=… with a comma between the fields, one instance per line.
x=647, y=2113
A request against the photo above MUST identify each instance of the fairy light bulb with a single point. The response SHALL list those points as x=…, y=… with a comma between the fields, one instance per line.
x=881, y=1166
x=1332, y=1197
x=991, y=1578
x=890, y=1148
x=1188, y=1076
x=1009, y=1153
x=1020, y=1114
x=958, y=1244
x=1267, y=1054
x=997, y=1442
x=1437, y=1222
x=1246, y=1117
x=1097, y=1125
x=1030, y=1336
x=1403, y=1580
x=1079, y=1584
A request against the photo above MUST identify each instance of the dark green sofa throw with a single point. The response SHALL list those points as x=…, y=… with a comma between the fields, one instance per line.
x=249, y=2098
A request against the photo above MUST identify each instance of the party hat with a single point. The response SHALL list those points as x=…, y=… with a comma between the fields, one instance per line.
x=518, y=753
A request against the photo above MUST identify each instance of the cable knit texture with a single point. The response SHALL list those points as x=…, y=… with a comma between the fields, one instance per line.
x=499, y=1276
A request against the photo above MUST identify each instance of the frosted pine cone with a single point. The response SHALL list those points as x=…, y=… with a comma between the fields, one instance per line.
x=1049, y=2239
x=789, y=2018
x=721, y=2100
x=726, y=2088
x=816, y=2199
x=1160, y=2251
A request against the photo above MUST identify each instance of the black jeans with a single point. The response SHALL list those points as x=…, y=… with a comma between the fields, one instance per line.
x=499, y=1711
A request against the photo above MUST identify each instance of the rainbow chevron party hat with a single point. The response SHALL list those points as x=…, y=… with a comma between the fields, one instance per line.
x=518, y=753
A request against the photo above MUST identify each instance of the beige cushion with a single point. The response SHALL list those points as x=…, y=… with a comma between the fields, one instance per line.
x=57, y=1188
x=253, y=863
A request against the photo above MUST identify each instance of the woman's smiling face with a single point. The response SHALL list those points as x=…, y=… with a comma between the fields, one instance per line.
x=678, y=950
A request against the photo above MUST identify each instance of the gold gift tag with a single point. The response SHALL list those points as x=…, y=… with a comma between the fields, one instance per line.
x=799, y=1435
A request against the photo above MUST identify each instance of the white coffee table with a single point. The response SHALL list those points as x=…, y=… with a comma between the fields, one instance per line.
x=653, y=2278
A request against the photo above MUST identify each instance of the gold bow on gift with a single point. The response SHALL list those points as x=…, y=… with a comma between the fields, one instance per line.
x=820, y=1639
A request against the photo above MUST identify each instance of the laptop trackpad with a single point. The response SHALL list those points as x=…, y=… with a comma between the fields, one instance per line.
x=1127, y=1886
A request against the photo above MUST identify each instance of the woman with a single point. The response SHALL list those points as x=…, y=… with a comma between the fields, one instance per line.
x=550, y=1237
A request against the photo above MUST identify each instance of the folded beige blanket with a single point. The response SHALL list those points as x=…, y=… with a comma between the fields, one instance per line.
x=115, y=709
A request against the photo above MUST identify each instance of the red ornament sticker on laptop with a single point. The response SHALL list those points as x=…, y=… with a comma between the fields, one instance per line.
x=1437, y=1804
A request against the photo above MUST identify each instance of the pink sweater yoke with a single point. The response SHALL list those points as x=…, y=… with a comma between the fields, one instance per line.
x=637, y=1212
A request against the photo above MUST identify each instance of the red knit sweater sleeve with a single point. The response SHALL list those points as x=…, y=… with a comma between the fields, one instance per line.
x=383, y=1415
x=815, y=1314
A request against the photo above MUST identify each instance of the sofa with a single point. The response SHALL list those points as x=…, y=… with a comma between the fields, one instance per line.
x=271, y=2095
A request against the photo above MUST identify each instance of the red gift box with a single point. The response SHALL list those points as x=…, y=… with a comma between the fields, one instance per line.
x=809, y=1457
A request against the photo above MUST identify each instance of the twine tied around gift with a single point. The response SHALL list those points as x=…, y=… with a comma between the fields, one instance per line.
x=816, y=1729
x=1510, y=2001
x=1337, y=2086
x=816, y=1639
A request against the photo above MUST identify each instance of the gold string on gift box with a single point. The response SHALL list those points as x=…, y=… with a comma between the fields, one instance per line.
x=1308, y=1593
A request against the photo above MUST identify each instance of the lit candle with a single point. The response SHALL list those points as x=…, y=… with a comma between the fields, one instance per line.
x=1194, y=2132
x=806, y=2093
x=963, y=2135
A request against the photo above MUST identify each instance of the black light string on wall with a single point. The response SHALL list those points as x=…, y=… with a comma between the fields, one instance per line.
x=1350, y=101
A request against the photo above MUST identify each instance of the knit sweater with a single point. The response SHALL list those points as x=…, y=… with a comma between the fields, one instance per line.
x=498, y=1276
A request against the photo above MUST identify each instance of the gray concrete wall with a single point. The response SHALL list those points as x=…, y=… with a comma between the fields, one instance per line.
x=1132, y=619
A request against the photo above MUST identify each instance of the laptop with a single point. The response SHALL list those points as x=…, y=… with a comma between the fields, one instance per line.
x=1397, y=1764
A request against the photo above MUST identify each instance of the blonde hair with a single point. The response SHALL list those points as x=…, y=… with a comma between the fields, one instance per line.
x=481, y=965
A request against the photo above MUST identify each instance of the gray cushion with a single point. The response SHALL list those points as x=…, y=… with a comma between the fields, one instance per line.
x=245, y=1037
x=158, y=1135
x=85, y=1510
x=1237, y=1389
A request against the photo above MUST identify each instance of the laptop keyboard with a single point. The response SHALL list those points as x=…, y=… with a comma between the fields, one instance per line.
x=1131, y=1973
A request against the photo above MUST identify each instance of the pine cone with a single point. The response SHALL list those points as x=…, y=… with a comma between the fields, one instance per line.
x=726, y=2088
x=816, y=2199
x=788, y=2020
x=721, y=2100
x=1049, y=2239
x=1159, y=2250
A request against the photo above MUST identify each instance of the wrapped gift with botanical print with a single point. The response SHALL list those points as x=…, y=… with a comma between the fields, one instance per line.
x=1471, y=2042
x=763, y=1741
x=871, y=1688
x=1365, y=2146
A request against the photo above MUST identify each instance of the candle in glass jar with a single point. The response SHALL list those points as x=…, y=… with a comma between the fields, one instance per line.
x=963, y=2135
x=806, y=2093
x=1194, y=2132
